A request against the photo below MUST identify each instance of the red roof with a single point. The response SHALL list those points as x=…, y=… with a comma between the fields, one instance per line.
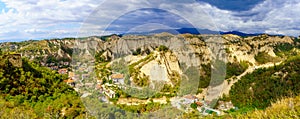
x=69, y=81
x=199, y=103
x=190, y=97
x=117, y=76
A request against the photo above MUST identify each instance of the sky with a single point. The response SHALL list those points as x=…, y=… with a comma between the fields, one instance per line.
x=43, y=19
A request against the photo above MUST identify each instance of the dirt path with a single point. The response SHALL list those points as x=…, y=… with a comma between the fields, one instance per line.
x=135, y=101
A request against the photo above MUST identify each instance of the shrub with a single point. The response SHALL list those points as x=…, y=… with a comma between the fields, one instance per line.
x=163, y=48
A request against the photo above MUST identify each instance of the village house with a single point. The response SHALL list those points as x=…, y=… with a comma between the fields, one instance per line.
x=54, y=67
x=109, y=93
x=66, y=63
x=63, y=71
x=81, y=69
x=117, y=78
x=99, y=81
x=70, y=82
x=76, y=77
x=79, y=85
x=225, y=105
x=199, y=104
x=84, y=76
x=188, y=99
x=52, y=64
x=89, y=85
x=98, y=86
x=71, y=75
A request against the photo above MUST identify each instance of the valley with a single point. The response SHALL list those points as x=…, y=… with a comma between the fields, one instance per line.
x=142, y=74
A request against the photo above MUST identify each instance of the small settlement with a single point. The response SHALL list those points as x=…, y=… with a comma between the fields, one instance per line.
x=185, y=103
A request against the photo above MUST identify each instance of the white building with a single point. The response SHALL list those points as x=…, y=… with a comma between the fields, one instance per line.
x=117, y=78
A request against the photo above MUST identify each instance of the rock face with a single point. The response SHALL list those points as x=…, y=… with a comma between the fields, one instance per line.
x=245, y=49
x=193, y=50
x=173, y=55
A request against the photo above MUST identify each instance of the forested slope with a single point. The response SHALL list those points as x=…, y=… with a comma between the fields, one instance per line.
x=264, y=86
x=30, y=91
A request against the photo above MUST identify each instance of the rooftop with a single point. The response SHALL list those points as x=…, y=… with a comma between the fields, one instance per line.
x=69, y=81
x=117, y=76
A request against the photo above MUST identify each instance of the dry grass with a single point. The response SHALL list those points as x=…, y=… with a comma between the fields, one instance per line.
x=288, y=108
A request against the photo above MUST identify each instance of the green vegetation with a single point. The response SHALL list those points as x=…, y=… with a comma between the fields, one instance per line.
x=142, y=108
x=194, y=105
x=134, y=70
x=141, y=81
x=189, y=81
x=36, y=92
x=283, y=49
x=236, y=68
x=287, y=108
x=263, y=57
x=205, y=76
x=219, y=72
x=67, y=50
x=172, y=90
x=100, y=58
x=191, y=115
x=163, y=48
x=108, y=37
x=120, y=66
x=51, y=59
x=264, y=86
x=137, y=52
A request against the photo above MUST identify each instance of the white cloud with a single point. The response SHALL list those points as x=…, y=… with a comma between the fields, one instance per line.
x=265, y=17
x=32, y=19
x=42, y=14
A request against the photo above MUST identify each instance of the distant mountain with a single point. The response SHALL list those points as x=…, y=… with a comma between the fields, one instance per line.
x=240, y=33
x=177, y=31
x=194, y=31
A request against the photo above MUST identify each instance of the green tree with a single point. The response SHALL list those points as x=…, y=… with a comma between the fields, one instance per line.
x=193, y=105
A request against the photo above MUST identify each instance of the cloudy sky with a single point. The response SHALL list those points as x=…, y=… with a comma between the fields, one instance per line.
x=39, y=19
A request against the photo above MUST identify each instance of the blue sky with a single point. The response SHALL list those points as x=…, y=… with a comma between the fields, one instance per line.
x=39, y=19
x=233, y=5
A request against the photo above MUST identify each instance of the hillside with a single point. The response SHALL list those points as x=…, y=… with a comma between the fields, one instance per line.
x=264, y=86
x=30, y=91
x=284, y=108
x=167, y=67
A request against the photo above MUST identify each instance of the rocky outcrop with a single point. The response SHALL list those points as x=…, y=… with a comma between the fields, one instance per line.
x=193, y=50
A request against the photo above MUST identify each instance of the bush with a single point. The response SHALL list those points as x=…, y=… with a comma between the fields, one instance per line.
x=194, y=105
x=263, y=57
x=163, y=48
x=235, y=68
